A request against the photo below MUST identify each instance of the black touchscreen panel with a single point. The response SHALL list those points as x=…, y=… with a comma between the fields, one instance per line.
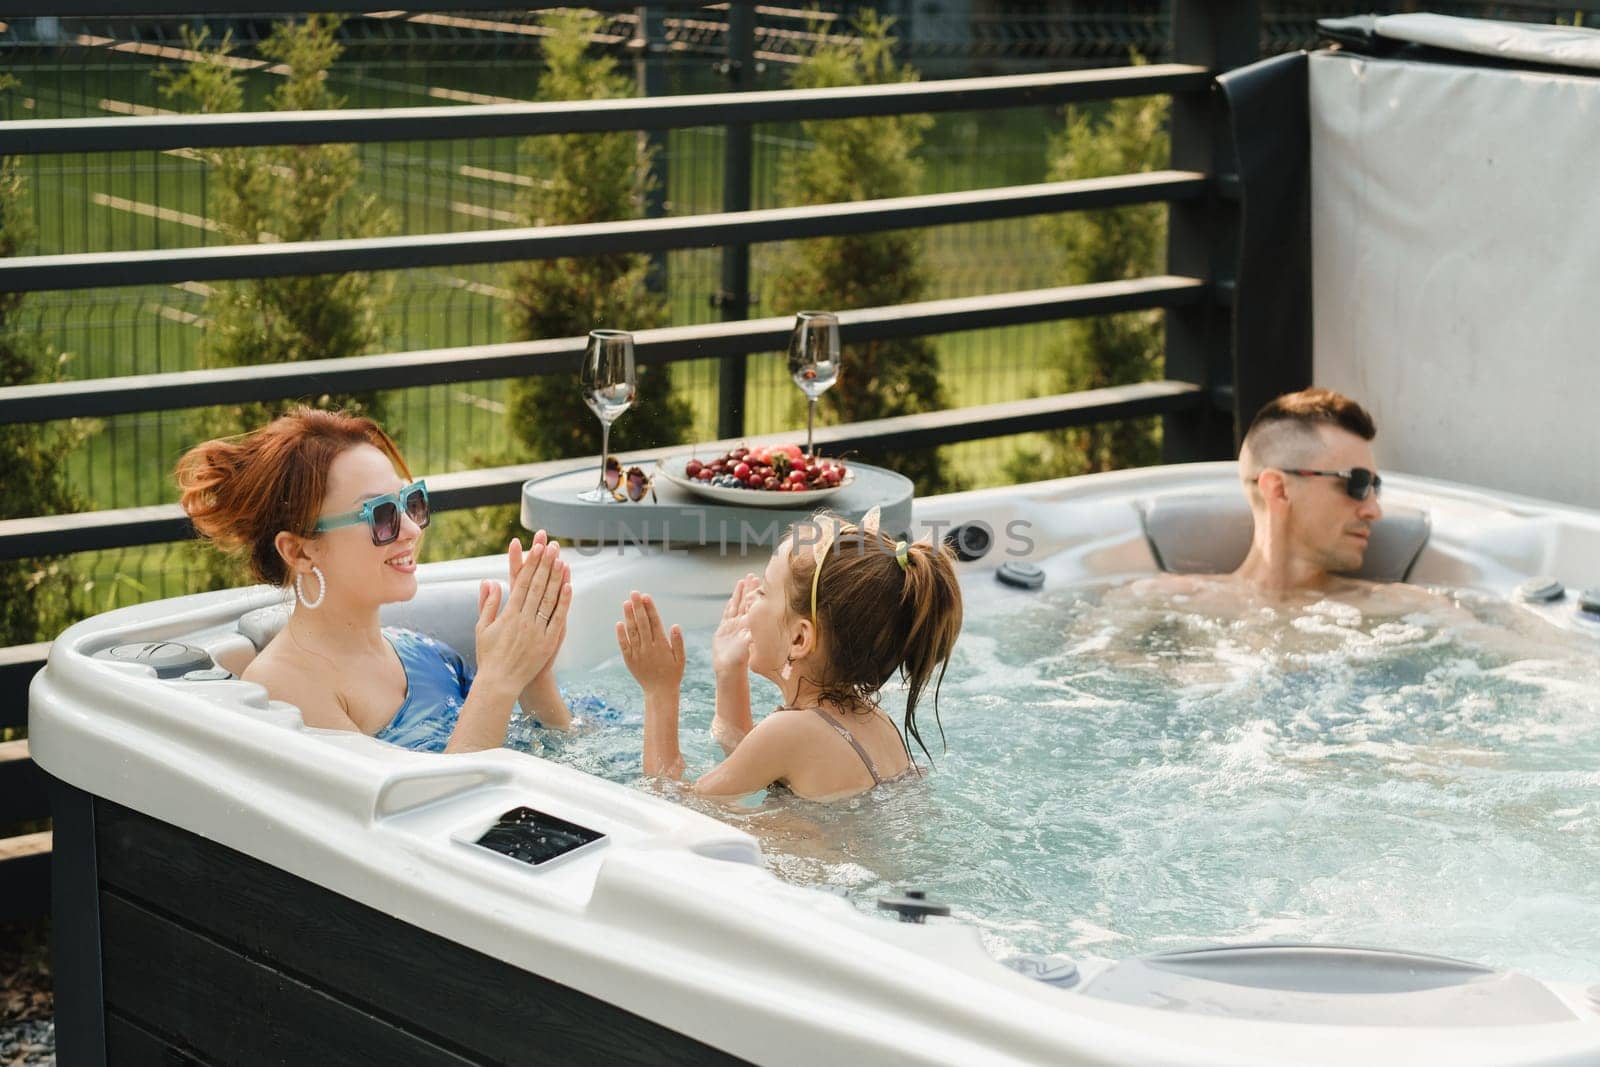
x=534, y=837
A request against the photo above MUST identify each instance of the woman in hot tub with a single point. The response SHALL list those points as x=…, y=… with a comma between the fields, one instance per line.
x=321, y=503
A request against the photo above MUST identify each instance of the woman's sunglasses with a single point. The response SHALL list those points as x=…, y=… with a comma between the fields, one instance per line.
x=1358, y=481
x=630, y=485
x=382, y=514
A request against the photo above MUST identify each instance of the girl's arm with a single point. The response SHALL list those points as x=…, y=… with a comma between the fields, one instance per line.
x=766, y=756
x=655, y=659
x=730, y=666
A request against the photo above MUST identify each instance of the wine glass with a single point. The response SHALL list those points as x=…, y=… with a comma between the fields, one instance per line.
x=608, y=387
x=814, y=359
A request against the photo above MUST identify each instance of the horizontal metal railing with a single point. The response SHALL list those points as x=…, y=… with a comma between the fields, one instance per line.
x=98, y=397
x=161, y=523
x=164, y=266
x=364, y=125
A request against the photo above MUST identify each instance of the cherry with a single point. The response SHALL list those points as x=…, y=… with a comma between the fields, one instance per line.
x=769, y=482
x=693, y=468
x=742, y=471
x=797, y=477
x=753, y=481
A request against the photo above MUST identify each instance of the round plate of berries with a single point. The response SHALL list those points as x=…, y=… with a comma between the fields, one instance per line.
x=781, y=476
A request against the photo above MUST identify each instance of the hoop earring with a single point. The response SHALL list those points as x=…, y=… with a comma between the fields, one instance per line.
x=300, y=588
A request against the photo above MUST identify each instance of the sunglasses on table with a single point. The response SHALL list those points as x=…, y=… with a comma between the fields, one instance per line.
x=631, y=484
x=1358, y=481
x=382, y=513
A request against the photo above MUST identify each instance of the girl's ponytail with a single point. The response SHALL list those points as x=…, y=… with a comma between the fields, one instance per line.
x=931, y=605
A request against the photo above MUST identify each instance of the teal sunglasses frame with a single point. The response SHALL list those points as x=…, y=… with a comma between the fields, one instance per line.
x=367, y=513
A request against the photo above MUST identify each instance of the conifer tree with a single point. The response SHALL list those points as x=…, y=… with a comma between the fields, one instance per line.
x=34, y=593
x=579, y=178
x=281, y=193
x=1124, y=137
x=865, y=159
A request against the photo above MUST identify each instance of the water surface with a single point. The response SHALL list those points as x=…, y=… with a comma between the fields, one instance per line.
x=1133, y=771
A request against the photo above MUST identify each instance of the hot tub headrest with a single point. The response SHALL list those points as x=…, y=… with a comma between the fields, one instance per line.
x=447, y=611
x=1209, y=533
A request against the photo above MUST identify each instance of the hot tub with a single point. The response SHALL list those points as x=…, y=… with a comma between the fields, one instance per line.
x=235, y=886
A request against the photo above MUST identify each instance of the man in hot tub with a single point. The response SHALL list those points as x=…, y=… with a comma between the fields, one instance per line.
x=1307, y=470
x=1309, y=474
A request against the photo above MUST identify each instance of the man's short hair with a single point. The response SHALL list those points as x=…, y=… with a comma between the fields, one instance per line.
x=1285, y=427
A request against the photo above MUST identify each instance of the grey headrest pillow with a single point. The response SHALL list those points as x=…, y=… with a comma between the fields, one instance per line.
x=1209, y=533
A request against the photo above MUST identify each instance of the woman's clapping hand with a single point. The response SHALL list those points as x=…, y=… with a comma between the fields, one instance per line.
x=517, y=640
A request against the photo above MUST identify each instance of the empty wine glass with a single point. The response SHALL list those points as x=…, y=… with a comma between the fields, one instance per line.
x=814, y=359
x=608, y=388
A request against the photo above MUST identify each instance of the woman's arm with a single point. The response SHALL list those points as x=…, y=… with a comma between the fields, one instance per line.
x=543, y=700
x=730, y=667
x=542, y=697
x=516, y=642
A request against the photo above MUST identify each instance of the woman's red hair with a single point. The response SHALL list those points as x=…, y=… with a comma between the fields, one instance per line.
x=240, y=492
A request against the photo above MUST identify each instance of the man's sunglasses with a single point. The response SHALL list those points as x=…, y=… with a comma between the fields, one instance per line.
x=1358, y=481
x=382, y=514
x=630, y=485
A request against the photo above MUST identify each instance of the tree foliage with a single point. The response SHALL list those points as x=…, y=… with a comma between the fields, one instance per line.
x=284, y=193
x=579, y=178
x=1124, y=137
x=865, y=159
x=34, y=594
x=281, y=193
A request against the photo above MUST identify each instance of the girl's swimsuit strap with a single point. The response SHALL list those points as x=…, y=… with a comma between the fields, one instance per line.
x=845, y=733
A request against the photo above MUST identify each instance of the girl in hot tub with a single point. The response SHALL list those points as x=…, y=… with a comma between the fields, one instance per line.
x=839, y=610
x=320, y=502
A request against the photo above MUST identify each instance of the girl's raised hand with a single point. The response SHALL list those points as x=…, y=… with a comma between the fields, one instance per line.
x=730, y=645
x=653, y=657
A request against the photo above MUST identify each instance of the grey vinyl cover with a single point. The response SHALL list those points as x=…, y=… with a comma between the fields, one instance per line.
x=1331, y=984
x=1209, y=533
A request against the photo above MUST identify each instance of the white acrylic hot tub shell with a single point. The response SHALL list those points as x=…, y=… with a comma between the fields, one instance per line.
x=665, y=921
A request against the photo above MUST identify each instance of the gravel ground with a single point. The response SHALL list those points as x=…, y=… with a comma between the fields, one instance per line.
x=28, y=1044
x=27, y=1008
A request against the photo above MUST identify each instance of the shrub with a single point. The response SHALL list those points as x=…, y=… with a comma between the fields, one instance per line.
x=865, y=159
x=1127, y=136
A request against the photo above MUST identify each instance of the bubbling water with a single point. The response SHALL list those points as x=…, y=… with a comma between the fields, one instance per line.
x=1130, y=771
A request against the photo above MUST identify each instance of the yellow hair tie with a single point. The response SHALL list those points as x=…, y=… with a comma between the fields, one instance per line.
x=816, y=573
x=902, y=555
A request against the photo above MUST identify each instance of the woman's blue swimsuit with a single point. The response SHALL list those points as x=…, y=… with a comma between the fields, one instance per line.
x=437, y=683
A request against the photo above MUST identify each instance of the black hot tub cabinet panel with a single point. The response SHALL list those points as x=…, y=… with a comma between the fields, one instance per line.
x=211, y=956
